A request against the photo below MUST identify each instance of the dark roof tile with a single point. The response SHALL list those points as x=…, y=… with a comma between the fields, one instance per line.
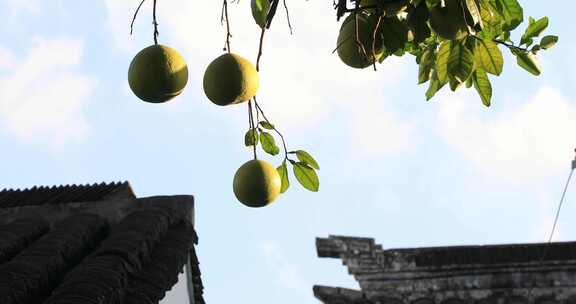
x=161, y=273
x=64, y=194
x=123, y=253
x=18, y=234
x=126, y=250
x=31, y=275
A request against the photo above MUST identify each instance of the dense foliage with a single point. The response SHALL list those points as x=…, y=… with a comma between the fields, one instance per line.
x=455, y=42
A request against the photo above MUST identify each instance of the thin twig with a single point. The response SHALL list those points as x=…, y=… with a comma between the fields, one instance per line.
x=275, y=130
x=358, y=42
x=155, y=24
x=257, y=118
x=252, y=127
x=374, y=35
x=260, y=49
x=256, y=105
x=511, y=46
x=135, y=14
x=287, y=16
x=341, y=43
x=225, y=17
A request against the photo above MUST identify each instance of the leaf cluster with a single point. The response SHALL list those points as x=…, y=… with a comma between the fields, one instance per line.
x=466, y=59
x=303, y=167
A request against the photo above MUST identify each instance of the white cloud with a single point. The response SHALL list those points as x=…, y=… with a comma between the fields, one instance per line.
x=533, y=140
x=7, y=59
x=376, y=131
x=547, y=203
x=42, y=96
x=289, y=275
x=32, y=6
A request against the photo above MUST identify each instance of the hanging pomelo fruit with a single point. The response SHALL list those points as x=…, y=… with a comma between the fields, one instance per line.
x=230, y=79
x=157, y=74
x=257, y=183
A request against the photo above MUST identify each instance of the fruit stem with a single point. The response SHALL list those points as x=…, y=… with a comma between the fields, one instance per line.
x=224, y=17
x=357, y=33
x=155, y=23
x=252, y=127
x=287, y=16
x=275, y=130
x=260, y=49
x=374, y=36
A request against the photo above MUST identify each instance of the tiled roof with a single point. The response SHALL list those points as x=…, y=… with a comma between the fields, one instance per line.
x=64, y=194
x=117, y=251
x=493, y=273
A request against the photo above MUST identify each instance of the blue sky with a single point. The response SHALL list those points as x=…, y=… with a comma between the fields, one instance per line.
x=407, y=172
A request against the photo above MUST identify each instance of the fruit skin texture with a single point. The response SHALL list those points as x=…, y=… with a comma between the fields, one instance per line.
x=449, y=22
x=348, y=49
x=230, y=79
x=257, y=183
x=157, y=74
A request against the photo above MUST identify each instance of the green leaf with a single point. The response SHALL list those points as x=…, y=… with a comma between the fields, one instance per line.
x=268, y=143
x=305, y=157
x=417, y=20
x=460, y=62
x=434, y=87
x=260, y=9
x=432, y=3
x=534, y=29
x=306, y=176
x=488, y=56
x=442, y=61
x=528, y=61
x=483, y=86
x=469, y=82
x=454, y=84
x=512, y=12
x=548, y=41
x=474, y=11
x=426, y=65
x=283, y=172
x=266, y=125
x=251, y=137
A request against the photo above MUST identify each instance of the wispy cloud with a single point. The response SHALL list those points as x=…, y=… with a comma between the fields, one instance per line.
x=287, y=273
x=376, y=130
x=42, y=96
x=32, y=6
x=532, y=140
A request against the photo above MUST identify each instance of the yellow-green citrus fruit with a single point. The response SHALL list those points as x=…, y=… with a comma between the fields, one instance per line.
x=449, y=22
x=350, y=51
x=257, y=183
x=230, y=79
x=157, y=74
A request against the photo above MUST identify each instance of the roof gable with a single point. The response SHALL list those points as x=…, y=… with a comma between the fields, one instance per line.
x=112, y=248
